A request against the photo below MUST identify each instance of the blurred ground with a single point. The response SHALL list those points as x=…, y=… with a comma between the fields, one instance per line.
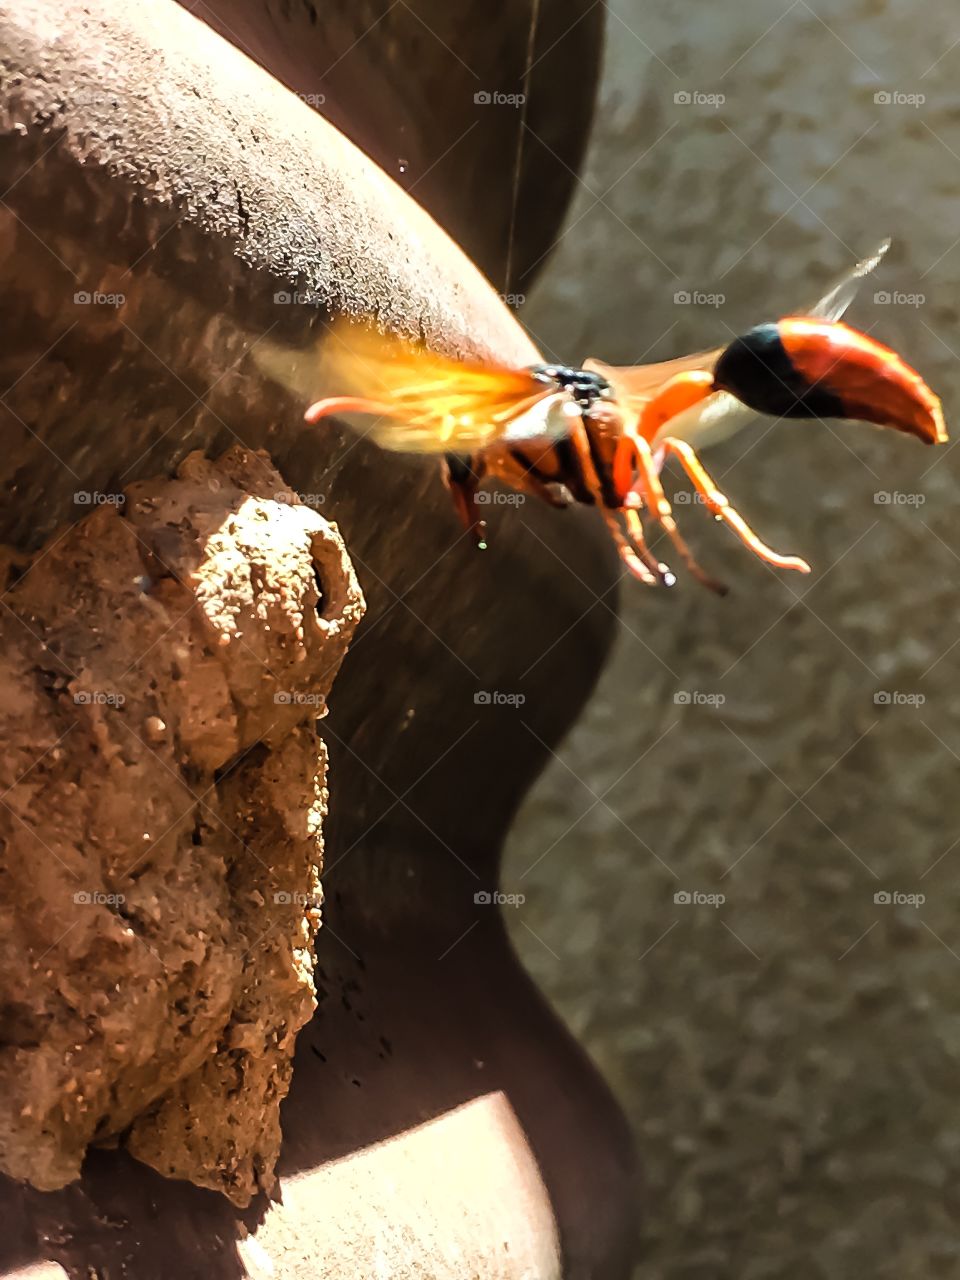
x=789, y=1057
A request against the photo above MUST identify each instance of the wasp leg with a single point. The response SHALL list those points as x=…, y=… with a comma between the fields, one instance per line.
x=463, y=474
x=637, y=556
x=634, y=552
x=718, y=505
x=656, y=501
x=639, y=560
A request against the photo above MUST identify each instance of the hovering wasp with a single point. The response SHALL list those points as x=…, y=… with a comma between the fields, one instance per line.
x=601, y=435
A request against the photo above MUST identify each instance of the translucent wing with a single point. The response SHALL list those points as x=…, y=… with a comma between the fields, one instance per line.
x=834, y=303
x=418, y=401
x=721, y=415
x=634, y=385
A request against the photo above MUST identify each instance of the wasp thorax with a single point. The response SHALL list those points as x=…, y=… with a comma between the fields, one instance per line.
x=585, y=387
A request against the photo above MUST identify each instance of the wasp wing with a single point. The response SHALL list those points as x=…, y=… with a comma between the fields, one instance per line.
x=419, y=401
x=835, y=302
x=721, y=415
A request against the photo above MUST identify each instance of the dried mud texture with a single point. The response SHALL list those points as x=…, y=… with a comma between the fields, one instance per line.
x=163, y=795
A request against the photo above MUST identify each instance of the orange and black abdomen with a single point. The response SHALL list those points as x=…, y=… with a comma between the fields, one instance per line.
x=759, y=369
x=808, y=368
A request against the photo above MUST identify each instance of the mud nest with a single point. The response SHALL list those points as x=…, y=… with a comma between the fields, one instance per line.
x=164, y=662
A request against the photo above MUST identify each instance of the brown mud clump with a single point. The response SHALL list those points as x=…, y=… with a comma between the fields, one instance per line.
x=163, y=786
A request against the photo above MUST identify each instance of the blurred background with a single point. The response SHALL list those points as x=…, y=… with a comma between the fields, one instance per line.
x=787, y=1052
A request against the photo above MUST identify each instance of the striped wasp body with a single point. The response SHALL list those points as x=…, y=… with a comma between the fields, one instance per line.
x=600, y=435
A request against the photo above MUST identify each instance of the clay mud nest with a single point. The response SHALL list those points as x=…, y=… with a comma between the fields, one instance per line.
x=164, y=663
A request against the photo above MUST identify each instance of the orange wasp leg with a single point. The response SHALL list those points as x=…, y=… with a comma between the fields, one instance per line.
x=634, y=552
x=718, y=505
x=633, y=455
x=676, y=395
x=656, y=500
x=463, y=476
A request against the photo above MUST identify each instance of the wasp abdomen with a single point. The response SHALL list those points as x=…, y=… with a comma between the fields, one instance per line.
x=758, y=369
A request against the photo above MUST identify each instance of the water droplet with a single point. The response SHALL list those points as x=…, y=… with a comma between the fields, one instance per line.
x=404, y=164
